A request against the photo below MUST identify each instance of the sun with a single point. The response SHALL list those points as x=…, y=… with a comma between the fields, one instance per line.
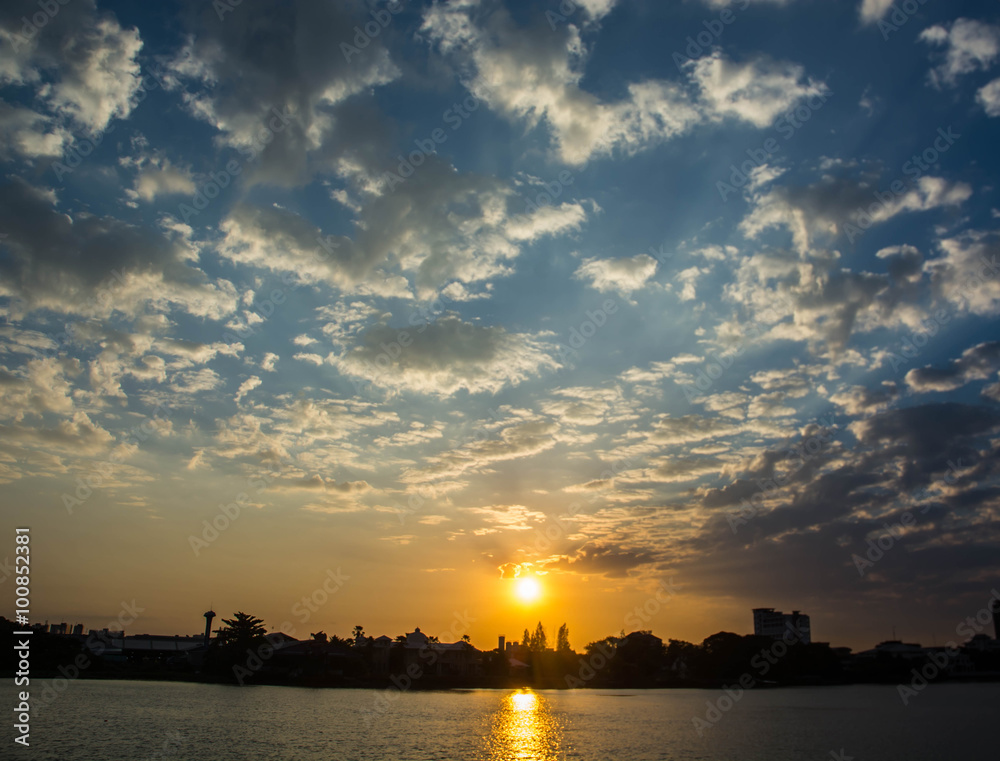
x=528, y=589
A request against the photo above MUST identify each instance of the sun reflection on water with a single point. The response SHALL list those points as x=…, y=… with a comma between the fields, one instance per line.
x=524, y=729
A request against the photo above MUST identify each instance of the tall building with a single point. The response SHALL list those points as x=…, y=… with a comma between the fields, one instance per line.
x=794, y=626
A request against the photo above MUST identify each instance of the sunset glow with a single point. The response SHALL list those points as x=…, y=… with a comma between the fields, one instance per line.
x=528, y=589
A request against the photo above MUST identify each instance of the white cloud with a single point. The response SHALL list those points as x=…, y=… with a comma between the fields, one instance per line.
x=100, y=75
x=82, y=63
x=970, y=46
x=597, y=9
x=533, y=75
x=246, y=387
x=756, y=92
x=30, y=133
x=874, y=10
x=547, y=220
x=989, y=98
x=624, y=275
x=688, y=279
x=196, y=381
x=967, y=274
x=158, y=177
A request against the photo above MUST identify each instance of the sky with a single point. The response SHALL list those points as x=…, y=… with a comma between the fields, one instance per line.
x=355, y=313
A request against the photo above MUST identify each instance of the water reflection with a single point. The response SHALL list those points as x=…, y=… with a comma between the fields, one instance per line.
x=524, y=729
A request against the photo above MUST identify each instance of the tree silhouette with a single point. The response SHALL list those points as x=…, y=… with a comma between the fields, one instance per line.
x=539, y=640
x=562, y=639
x=526, y=638
x=359, y=631
x=467, y=639
x=241, y=631
x=319, y=637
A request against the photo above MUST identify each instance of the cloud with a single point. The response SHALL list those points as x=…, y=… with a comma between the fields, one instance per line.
x=976, y=363
x=81, y=62
x=923, y=430
x=522, y=438
x=30, y=133
x=756, y=92
x=448, y=355
x=196, y=381
x=872, y=11
x=969, y=46
x=285, y=57
x=825, y=208
x=624, y=275
x=989, y=98
x=39, y=386
x=76, y=434
x=533, y=75
x=91, y=265
x=827, y=302
x=604, y=559
x=860, y=400
x=157, y=177
x=436, y=226
x=506, y=517
x=597, y=9
x=246, y=387
x=967, y=274
x=547, y=220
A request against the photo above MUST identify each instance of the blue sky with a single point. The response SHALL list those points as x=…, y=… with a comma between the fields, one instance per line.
x=702, y=291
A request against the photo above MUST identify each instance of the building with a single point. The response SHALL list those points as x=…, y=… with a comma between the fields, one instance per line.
x=416, y=651
x=794, y=626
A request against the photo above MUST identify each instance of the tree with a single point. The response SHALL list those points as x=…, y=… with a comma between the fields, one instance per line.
x=359, y=631
x=467, y=639
x=320, y=636
x=562, y=640
x=241, y=631
x=539, y=640
x=525, y=639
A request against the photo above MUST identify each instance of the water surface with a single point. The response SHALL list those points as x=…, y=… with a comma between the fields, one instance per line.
x=157, y=721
